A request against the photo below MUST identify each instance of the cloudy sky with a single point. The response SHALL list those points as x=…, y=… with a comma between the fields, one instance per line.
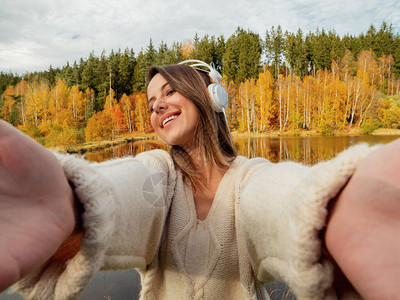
x=37, y=34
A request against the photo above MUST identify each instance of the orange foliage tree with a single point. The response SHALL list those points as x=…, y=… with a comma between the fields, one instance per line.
x=99, y=126
x=187, y=48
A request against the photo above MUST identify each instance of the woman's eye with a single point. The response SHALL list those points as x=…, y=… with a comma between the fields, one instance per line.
x=170, y=92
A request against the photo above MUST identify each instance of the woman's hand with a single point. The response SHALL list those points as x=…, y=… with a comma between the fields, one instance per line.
x=36, y=205
x=363, y=232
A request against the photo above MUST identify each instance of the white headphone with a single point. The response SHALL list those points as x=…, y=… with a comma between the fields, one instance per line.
x=217, y=92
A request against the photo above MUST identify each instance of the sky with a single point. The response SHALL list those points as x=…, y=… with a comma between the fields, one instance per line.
x=37, y=34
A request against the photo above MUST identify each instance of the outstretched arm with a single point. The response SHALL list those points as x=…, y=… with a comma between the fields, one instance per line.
x=363, y=232
x=36, y=205
x=283, y=210
x=122, y=204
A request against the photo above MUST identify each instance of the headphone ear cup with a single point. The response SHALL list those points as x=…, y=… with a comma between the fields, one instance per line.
x=219, y=97
x=214, y=74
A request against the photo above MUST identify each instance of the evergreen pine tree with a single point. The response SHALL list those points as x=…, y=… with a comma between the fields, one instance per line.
x=230, y=59
x=384, y=40
x=113, y=69
x=139, y=73
x=219, y=52
x=150, y=55
x=162, y=55
x=66, y=73
x=125, y=73
x=101, y=82
x=75, y=76
x=273, y=47
x=203, y=49
x=88, y=73
x=143, y=62
x=174, y=55
x=242, y=56
x=295, y=53
x=396, y=56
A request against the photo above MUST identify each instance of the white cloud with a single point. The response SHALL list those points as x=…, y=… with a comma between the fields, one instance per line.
x=37, y=34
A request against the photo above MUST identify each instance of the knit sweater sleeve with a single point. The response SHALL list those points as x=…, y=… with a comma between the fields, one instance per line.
x=125, y=203
x=283, y=208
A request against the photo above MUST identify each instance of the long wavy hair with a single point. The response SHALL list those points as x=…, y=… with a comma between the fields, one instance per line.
x=212, y=135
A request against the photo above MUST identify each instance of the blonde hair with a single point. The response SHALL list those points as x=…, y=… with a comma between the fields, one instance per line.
x=212, y=136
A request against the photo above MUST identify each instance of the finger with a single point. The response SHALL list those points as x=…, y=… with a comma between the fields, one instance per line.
x=6, y=129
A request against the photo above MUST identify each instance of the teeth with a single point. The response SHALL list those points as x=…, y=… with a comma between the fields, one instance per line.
x=169, y=119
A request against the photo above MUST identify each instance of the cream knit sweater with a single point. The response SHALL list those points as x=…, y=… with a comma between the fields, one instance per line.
x=263, y=225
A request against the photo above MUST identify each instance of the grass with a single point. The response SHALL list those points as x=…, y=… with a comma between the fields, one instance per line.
x=295, y=132
x=386, y=131
x=302, y=132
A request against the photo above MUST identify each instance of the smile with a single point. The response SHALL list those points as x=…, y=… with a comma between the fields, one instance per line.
x=169, y=119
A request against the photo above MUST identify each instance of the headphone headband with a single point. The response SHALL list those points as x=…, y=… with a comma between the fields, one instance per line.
x=217, y=92
x=214, y=74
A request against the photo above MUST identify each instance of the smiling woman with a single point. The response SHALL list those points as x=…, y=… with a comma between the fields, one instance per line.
x=197, y=132
x=198, y=222
x=173, y=116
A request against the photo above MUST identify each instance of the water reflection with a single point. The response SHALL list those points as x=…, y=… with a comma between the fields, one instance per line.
x=129, y=149
x=307, y=150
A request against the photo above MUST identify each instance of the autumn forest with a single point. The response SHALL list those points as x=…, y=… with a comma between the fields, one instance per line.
x=284, y=82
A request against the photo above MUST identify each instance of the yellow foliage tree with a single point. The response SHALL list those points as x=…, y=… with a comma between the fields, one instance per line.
x=77, y=104
x=90, y=97
x=142, y=113
x=99, y=127
x=389, y=113
x=111, y=101
x=367, y=70
x=37, y=102
x=9, y=101
x=128, y=113
x=233, y=108
x=187, y=48
x=246, y=100
x=21, y=88
x=264, y=92
x=58, y=97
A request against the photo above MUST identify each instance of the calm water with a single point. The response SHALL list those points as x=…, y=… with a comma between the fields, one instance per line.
x=308, y=150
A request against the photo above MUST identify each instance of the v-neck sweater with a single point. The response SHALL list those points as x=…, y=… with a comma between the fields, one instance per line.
x=264, y=224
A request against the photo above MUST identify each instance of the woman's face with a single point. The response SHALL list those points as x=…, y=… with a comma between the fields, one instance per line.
x=173, y=116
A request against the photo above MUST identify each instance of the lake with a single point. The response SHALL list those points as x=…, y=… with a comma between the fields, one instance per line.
x=121, y=285
x=307, y=150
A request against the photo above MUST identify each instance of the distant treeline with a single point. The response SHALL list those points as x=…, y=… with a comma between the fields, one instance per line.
x=285, y=80
x=242, y=56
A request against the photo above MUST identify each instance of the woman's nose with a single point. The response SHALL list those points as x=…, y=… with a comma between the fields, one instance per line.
x=159, y=104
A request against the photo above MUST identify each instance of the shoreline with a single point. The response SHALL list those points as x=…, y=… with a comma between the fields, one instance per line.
x=305, y=133
x=94, y=146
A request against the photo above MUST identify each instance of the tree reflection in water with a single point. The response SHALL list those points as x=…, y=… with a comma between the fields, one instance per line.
x=307, y=150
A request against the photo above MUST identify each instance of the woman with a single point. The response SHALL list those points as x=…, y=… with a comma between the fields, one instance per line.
x=200, y=222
